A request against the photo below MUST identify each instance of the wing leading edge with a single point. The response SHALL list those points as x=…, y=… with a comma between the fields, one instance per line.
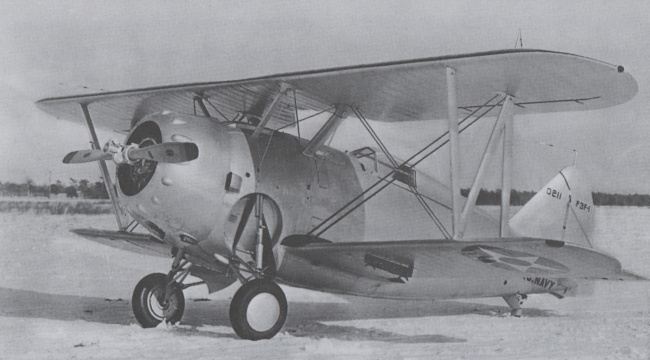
x=541, y=81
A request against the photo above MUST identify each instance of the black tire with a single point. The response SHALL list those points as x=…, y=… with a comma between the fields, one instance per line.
x=275, y=307
x=147, y=309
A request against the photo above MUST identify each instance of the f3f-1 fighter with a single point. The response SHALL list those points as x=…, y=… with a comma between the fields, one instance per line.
x=209, y=171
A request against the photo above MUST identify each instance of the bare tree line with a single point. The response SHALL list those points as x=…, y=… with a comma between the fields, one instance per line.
x=72, y=189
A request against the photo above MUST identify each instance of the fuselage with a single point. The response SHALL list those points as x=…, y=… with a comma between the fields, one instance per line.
x=205, y=206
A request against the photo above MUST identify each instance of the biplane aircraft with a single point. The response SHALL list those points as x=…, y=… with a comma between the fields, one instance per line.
x=207, y=169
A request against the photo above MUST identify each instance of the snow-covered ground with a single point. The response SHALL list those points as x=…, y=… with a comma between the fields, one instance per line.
x=64, y=297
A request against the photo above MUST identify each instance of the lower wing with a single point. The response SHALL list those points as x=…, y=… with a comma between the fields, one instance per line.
x=137, y=243
x=396, y=260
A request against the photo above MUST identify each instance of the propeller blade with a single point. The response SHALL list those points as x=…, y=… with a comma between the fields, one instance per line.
x=170, y=152
x=84, y=156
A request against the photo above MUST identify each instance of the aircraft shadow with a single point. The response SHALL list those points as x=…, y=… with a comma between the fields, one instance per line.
x=304, y=319
x=32, y=304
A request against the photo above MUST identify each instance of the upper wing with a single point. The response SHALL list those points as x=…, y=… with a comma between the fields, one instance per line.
x=459, y=259
x=138, y=243
x=541, y=81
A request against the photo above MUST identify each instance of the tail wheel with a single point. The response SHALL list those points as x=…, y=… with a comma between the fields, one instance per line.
x=149, y=306
x=258, y=310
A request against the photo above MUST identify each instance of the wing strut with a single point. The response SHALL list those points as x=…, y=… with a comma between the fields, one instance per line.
x=326, y=131
x=121, y=220
x=199, y=100
x=495, y=136
x=454, y=151
x=268, y=112
x=460, y=220
x=506, y=175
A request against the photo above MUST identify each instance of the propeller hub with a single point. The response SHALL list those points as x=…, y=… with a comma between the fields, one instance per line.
x=122, y=156
x=134, y=175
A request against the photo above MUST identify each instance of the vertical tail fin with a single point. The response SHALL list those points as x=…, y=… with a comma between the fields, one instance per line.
x=562, y=210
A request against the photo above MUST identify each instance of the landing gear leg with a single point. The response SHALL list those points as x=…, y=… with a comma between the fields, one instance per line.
x=259, y=308
x=259, y=248
x=515, y=301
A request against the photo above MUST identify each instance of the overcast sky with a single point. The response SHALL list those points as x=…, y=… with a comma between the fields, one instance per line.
x=53, y=48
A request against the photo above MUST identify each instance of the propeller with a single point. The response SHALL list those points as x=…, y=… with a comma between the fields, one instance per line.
x=170, y=152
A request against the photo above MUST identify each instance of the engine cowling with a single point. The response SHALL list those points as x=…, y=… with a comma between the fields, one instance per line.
x=184, y=203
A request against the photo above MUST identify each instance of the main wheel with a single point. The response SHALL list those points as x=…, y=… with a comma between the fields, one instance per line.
x=147, y=302
x=258, y=310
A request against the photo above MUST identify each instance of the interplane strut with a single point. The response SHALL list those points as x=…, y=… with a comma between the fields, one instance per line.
x=495, y=136
x=454, y=150
x=121, y=220
x=506, y=176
